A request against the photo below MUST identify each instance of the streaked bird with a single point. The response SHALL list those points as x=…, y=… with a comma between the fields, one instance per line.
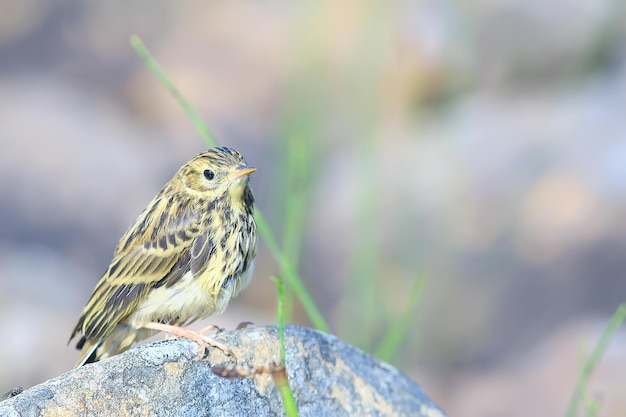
x=186, y=256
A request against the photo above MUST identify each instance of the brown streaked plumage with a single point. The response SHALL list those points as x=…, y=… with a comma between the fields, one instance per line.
x=187, y=254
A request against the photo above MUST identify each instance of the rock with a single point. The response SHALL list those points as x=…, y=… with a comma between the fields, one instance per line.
x=327, y=376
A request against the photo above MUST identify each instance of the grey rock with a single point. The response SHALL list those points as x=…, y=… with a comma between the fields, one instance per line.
x=327, y=376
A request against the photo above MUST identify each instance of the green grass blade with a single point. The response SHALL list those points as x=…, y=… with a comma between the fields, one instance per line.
x=295, y=195
x=280, y=375
x=281, y=317
x=590, y=364
x=155, y=68
x=401, y=325
x=592, y=408
x=295, y=198
x=289, y=402
x=288, y=271
x=290, y=275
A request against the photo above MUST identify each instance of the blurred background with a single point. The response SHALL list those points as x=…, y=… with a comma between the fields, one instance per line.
x=450, y=172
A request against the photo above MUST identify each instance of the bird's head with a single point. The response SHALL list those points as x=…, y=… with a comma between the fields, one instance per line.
x=216, y=173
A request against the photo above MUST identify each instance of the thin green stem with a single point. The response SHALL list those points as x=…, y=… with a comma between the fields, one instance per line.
x=280, y=374
x=400, y=327
x=295, y=203
x=590, y=364
x=281, y=317
x=295, y=199
x=592, y=408
x=160, y=74
x=290, y=275
x=289, y=402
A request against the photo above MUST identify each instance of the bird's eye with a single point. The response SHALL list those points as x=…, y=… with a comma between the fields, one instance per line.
x=208, y=174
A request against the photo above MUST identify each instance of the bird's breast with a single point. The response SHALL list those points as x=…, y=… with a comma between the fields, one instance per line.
x=227, y=272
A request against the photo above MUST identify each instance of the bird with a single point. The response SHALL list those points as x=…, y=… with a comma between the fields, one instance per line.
x=186, y=256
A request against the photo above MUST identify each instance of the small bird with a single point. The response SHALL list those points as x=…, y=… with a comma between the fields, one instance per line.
x=186, y=256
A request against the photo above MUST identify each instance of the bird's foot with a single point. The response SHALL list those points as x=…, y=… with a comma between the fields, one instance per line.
x=197, y=337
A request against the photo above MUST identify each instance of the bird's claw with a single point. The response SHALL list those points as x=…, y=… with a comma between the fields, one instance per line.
x=212, y=328
x=203, y=353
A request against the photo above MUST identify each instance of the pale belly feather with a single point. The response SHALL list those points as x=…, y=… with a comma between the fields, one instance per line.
x=186, y=301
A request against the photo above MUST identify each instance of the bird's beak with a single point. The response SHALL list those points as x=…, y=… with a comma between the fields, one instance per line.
x=242, y=171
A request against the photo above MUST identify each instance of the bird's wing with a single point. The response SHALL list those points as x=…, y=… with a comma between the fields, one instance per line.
x=157, y=250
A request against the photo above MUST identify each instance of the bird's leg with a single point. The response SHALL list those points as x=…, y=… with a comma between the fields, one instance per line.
x=189, y=334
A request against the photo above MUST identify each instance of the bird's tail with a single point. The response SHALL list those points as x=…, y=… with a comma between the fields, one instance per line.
x=89, y=351
x=120, y=339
